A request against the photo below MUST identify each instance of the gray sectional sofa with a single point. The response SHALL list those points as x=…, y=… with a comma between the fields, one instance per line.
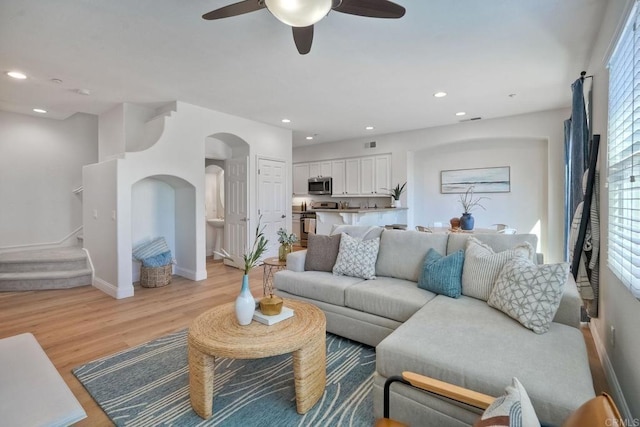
x=463, y=341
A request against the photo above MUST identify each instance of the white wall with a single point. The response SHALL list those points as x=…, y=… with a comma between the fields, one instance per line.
x=543, y=126
x=100, y=231
x=135, y=126
x=111, y=136
x=523, y=208
x=40, y=164
x=177, y=158
x=618, y=308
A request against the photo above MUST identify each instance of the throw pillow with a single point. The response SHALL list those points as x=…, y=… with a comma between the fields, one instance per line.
x=357, y=258
x=513, y=409
x=442, y=274
x=322, y=252
x=158, y=260
x=530, y=293
x=155, y=247
x=482, y=266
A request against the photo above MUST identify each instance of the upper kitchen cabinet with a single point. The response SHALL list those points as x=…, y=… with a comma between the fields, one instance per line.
x=374, y=175
x=320, y=169
x=352, y=177
x=337, y=173
x=300, y=179
x=359, y=176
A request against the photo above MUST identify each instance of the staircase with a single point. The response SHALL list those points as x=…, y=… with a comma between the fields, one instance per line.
x=57, y=268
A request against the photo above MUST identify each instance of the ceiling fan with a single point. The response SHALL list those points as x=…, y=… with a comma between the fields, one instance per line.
x=302, y=14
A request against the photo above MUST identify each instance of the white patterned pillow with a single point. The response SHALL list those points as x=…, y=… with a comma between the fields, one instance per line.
x=155, y=247
x=356, y=257
x=482, y=266
x=530, y=293
x=513, y=409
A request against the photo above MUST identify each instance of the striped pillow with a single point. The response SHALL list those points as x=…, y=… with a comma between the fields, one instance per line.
x=513, y=409
x=146, y=250
x=482, y=266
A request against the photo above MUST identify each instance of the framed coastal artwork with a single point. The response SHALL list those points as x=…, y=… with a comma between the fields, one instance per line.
x=483, y=180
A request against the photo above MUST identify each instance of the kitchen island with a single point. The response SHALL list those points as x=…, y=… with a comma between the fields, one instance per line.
x=327, y=218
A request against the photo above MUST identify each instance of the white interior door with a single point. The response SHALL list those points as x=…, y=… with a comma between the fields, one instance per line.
x=272, y=200
x=236, y=202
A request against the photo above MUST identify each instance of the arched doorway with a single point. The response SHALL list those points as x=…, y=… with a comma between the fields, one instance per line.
x=233, y=152
x=164, y=206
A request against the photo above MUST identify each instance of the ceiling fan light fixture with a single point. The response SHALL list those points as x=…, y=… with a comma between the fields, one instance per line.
x=299, y=13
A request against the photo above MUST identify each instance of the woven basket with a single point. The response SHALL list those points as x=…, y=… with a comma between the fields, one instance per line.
x=155, y=277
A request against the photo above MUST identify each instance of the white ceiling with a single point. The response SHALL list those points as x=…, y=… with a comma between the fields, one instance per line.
x=360, y=71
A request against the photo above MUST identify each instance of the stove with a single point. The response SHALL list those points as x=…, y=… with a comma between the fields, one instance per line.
x=308, y=220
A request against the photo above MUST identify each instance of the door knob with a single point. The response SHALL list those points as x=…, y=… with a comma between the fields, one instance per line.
x=283, y=216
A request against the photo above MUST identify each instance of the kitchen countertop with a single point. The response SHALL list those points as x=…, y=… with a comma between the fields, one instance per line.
x=356, y=210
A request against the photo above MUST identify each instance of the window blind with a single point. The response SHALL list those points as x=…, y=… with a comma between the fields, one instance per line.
x=623, y=154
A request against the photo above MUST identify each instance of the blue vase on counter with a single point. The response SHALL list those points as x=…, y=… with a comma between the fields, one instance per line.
x=466, y=221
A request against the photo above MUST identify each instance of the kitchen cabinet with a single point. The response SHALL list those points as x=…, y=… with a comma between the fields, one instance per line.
x=300, y=179
x=337, y=173
x=320, y=169
x=382, y=174
x=352, y=177
x=367, y=176
x=374, y=175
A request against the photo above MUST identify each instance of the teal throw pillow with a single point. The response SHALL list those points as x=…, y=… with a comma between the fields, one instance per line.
x=442, y=274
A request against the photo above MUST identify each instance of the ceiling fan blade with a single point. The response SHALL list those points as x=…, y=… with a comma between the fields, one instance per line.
x=371, y=8
x=303, y=36
x=235, y=9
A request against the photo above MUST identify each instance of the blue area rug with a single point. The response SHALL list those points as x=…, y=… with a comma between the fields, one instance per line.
x=148, y=385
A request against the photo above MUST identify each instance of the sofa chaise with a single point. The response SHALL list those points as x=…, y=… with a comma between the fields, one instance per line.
x=462, y=341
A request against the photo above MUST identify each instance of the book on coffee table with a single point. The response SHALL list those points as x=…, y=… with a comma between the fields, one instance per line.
x=272, y=320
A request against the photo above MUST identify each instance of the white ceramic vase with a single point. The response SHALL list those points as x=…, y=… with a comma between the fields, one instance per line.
x=245, y=304
x=396, y=203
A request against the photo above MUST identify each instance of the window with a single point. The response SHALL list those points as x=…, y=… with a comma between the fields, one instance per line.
x=623, y=155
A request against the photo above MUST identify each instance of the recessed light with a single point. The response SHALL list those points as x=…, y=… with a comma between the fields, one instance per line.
x=286, y=121
x=461, y=113
x=56, y=81
x=369, y=128
x=17, y=75
x=440, y=94
x=309, y=138
x=39, y=110
x=84, y=92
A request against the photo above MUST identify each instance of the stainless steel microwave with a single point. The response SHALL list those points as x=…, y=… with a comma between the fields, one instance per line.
x=320, y=185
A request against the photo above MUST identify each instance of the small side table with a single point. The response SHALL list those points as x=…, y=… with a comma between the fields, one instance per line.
x=271, y=266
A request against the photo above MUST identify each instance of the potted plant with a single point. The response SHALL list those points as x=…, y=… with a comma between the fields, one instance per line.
x=395, y=193
x=245, y=303
x=469, y=203
x=286, y=243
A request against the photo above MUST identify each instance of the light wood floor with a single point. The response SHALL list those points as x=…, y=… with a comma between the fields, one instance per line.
x=76, y=326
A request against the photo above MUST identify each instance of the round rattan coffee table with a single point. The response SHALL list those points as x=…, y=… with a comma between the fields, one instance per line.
x=216, y=333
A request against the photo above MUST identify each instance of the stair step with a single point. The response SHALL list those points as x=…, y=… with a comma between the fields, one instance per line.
x=70, y=258
x=39, y=275
x=56, y=268
x=39, y=280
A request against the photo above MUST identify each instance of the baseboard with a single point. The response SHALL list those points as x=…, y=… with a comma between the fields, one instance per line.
x=93, y=270
x=612, y=379
x=112, y=290
x=190, y=274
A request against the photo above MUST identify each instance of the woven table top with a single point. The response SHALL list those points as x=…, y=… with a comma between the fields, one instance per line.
x=218, y=333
